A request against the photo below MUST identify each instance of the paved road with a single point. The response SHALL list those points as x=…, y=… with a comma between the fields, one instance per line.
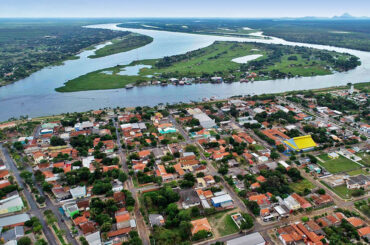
x=140, y=222
x=35, y=211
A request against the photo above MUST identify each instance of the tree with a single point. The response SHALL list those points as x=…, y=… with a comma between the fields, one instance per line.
x=24, y=241
x=18, y=145
x=247, y=223
x=294, y=174
x=321, y=191
x=185, y=229
x=56, y=141
x=274, y=155
x=47, y=186
x=253, y=207
x=200, y=235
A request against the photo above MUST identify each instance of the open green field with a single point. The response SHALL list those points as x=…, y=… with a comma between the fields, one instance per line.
x=277, y=61
x=223, y=223
x=341, y=164
x=301, y=185
x=365, y=158
x=123, y=44
x=358, y=171
x=341, y=191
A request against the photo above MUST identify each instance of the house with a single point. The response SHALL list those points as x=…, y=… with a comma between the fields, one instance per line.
x=322, y=200
x=223, y=201
x=200, y=225
x=94, y=238
x=364, y=232
x=189, y=198
x=302, y=202
x=78, y=192
x=356, y=222
x=156, y=219
x=358, y=181
x=12, y=234
x=251, y=239
x=290, y=203
x=123, y=219
x=4, y=174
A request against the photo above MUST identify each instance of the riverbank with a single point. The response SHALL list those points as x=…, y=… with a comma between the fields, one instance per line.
x=222, y=60
x=123, y=44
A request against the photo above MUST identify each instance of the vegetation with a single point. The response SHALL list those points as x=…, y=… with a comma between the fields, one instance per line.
x=216, y=60
x=340, y=164
x=124, y=44
x=26, y=47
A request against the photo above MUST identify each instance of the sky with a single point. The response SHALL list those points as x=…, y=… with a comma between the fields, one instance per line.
x=182, y=8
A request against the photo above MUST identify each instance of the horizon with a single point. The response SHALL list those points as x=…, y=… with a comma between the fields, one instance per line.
x=263, y=9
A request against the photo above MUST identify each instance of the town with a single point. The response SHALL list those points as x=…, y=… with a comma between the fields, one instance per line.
x=265, y=169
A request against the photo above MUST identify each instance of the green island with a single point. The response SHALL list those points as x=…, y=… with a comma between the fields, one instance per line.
x=274, y=61
x=123, y=44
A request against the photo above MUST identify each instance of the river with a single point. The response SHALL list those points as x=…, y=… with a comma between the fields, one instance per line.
x=35, y=95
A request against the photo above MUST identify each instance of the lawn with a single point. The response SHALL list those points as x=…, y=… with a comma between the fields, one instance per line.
x=341, y=164
x=358, y=171
x=223, y=223
x=324, y=157
x=301, y=186
x=341, y=191
x=365, y=158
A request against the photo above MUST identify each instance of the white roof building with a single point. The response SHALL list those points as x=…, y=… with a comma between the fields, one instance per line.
x=251, y=239
x=94, y=238
x=78, y=192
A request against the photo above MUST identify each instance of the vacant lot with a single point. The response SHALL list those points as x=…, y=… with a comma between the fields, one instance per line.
x=222, y=224
x=302, y=185
x=341, y=191
x=341, y=164
x=365, y=158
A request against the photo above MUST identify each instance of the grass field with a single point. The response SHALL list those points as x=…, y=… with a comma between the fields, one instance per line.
x=301, y=186
x=357, y=172
x=341, y=191
x=124, y=44
x=365, y=158
x=214, y=60
x=341, y=164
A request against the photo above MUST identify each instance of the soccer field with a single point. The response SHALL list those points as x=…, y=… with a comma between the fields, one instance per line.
x=341, y=164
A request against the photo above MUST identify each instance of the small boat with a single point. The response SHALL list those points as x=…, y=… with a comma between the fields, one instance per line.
x=129, y=86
